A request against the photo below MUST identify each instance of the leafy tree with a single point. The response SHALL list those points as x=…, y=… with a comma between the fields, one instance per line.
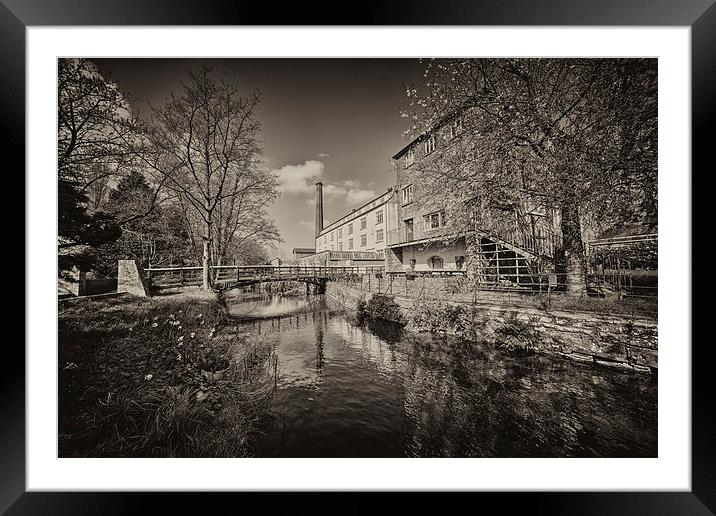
x=92, y=124
x=578, y=135
x=79, y=232
x=153, y=231
x=91, y=114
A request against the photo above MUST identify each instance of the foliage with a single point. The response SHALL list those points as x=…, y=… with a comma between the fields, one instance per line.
x=516, y=335
x=156, y=378
x=152, y=232
x=80, y=233
x=574, y=139
x=445, y=318
x=91, y=113
x=381, y=306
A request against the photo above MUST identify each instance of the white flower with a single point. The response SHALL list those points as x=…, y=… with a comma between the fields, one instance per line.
x=191, y=335
x=154, y=325
x=149, y=377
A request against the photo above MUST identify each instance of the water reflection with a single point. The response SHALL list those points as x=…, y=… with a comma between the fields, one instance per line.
x=351, y=391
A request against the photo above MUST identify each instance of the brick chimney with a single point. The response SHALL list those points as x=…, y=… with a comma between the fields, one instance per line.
x=319, y=208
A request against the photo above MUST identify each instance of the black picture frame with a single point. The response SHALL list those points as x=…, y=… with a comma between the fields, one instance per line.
x=17, y=15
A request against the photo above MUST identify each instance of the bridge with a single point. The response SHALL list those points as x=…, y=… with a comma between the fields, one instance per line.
x=226, y=277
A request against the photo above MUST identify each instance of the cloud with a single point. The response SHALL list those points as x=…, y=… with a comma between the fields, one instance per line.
x=307, y=223
x=323, y=155
x=299, y=178
x=349, y=191
x=359, y=196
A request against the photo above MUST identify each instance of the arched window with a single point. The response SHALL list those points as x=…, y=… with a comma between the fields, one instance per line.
x=435, y=262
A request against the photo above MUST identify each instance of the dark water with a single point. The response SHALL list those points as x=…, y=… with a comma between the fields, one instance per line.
x=369, y=391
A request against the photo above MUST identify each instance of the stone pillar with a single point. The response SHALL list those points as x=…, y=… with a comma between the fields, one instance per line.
x=130, y=278
x=393, y=259
x=472, y=255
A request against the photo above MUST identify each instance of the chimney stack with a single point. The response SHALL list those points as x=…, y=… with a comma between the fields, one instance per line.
x=319, y=208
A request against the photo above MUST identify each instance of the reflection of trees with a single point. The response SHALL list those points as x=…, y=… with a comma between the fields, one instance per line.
x=476, y=402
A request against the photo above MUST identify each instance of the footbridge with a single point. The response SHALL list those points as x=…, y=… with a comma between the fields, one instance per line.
x=226, y=277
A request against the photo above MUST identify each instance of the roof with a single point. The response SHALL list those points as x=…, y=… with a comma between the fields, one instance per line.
x=303, y=250
x=440, y=123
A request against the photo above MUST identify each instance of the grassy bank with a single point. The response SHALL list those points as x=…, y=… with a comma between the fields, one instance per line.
x=167, y=377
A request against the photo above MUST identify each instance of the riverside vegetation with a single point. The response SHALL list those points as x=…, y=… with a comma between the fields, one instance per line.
x=158, y=378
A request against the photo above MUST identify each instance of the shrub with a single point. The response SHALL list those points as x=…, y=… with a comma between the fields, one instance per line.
x=516, y=335
x=382, y=306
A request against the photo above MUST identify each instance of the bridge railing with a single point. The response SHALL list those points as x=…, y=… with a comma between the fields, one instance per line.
x=187, y=276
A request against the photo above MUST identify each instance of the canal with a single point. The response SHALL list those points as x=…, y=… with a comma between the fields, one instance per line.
x=370, y=390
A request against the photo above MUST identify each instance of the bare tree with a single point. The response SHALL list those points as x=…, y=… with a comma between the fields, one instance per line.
x=576, y=135
x=202, y=143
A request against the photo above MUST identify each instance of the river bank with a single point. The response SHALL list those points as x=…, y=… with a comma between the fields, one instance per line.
x=628, y=343
x=157, y=377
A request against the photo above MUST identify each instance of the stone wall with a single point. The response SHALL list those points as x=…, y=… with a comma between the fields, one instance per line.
x=624, y=342
x=130, y=278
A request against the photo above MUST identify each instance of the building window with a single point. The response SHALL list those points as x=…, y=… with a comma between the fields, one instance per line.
x=379, y=235
x=409, y=157
x=459, y=262
x=435, y=262
x=412, y=264
x=435, y=220
x=363, y=222
x=350, y=243
x=340, y=233
x=363, y=240
x=340, y=246
x=456, y=127
x=350, y=228
x=408, y=194
x=429, y=145
x=333, y=236
x=379, y=217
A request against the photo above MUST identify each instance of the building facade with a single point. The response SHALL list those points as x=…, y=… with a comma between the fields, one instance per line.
x=514, y=243
x=301, y=252
x=428, y=237
x=363, y=230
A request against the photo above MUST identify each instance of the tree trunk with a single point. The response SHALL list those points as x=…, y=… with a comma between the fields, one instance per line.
x=206, y=266
x=574, y=258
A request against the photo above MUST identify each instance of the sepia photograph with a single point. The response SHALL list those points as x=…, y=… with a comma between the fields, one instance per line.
x=357, y=257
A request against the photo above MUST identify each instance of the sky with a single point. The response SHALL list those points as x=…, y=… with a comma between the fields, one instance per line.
x=333, y=119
